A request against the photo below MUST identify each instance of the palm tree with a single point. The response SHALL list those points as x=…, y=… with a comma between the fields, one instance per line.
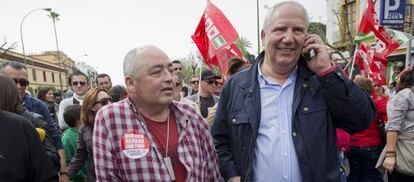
x=242, y=43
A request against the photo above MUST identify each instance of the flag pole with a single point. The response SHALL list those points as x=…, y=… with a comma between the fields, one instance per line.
x=199, y=83
x=353, y=62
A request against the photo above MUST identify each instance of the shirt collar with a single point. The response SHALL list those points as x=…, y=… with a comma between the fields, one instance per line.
x=266, y=82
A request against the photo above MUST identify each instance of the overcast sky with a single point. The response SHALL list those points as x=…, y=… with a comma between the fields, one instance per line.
x=107, y=30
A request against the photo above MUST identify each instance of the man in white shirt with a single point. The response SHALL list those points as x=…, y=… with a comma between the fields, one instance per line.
x=79, y=83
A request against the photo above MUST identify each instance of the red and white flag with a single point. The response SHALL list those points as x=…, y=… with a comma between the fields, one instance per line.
x=215, y=37
x=363, y=58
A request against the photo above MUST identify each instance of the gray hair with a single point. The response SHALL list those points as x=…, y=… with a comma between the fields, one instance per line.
x=274, y=8
x=14, y=64
x=129, y=62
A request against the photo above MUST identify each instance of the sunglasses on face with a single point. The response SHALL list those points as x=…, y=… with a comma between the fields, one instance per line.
x=22, y=82
x=78, y=83
x=194, y=82
x=211, y=82
x=104, y=101
x=177, y=68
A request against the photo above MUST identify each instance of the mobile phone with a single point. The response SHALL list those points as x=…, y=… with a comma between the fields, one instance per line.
x=309, y=55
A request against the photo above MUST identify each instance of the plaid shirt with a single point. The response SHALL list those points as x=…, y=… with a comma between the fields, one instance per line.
x=195, y=146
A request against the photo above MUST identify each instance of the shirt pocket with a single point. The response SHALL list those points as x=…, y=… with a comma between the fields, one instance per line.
x=240, y=130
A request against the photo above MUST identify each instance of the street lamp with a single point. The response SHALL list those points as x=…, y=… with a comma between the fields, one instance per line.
x=21, y=30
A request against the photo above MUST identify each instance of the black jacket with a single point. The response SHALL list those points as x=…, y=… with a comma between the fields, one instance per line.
x=320, y=105
x=38, y=121
x=22, y=156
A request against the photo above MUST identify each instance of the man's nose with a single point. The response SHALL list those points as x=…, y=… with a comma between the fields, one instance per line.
x=288, y=37
x=168, y=76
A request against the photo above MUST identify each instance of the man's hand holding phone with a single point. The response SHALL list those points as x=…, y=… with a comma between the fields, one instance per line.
x=320, y=61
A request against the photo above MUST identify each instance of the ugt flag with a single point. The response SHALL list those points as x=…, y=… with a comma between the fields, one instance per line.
x=215, y=37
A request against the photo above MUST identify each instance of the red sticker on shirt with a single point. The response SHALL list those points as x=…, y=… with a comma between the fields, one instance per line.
x=135, y=144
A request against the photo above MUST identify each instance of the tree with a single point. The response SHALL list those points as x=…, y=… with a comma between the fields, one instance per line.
x=242, y=43
x=319, y=29
x=191, y=64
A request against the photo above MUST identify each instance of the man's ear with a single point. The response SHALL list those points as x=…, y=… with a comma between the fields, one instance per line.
x=262, y=37
x=130, y=84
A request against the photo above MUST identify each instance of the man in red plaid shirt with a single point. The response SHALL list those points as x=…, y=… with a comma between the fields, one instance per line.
x=148, y=137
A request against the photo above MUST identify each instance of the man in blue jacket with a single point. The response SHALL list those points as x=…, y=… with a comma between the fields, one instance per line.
x=277, y=120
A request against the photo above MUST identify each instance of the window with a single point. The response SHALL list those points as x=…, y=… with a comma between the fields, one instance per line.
x=34, y=74
x=44, y=76
x=53, y=77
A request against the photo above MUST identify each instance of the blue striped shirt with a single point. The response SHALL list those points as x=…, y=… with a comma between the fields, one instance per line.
x=274, y=150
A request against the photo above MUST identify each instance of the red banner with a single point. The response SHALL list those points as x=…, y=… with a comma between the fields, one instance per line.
x=215, y=37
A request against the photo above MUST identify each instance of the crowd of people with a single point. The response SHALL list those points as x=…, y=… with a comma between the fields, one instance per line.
x=286, y=117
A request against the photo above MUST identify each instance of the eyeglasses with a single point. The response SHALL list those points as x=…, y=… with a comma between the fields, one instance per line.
x=211, y=82
x=22, y=82
x=177, y=68
x=104, y=101
x=194, y=82
x=78, y=83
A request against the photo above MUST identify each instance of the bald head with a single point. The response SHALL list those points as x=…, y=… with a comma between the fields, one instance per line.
x=136, y=57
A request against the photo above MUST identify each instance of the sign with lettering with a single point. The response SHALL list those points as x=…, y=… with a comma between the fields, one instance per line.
x=392, y=12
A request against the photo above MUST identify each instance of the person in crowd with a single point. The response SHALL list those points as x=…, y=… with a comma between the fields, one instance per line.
x=177, y=94
x=194, y=83
x=366, y=146
x=178, y=68
x=80, y=85
x=18, y=72
x=205, y=98
x=148, y=137
x=379, y=92
x=58, y=97
x=22, y=156
x=46, y=95
x=277, y=120
x=235, y=65
x=219, y=86
x=104, y=81
x=94, y=100
x=400, y=124
x=118, y=93
x=11, y=102
x=391, y=88
x=70, y=138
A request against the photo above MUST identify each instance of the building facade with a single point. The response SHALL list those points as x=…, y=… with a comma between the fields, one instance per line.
x=41, y=72
x=344, y=17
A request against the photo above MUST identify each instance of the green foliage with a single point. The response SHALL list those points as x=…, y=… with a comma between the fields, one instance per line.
x=242, y=43
x=319, y=29
x=191, y=65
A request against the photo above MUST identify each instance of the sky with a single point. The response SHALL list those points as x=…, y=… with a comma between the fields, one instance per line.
x=106, y=30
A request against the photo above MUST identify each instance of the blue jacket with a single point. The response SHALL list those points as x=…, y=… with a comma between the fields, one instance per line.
x=37, y=106
x=320, y=105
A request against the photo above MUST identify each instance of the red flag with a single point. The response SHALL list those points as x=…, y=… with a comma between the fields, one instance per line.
x=368, y=20
x=385, y=44
x=378, y=67
x=215, y=37
x=363, y=58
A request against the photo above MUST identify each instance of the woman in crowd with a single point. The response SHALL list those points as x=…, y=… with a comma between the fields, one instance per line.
x=366, y=146
x=94, y=100
x=400, y=127
x=45, y=94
